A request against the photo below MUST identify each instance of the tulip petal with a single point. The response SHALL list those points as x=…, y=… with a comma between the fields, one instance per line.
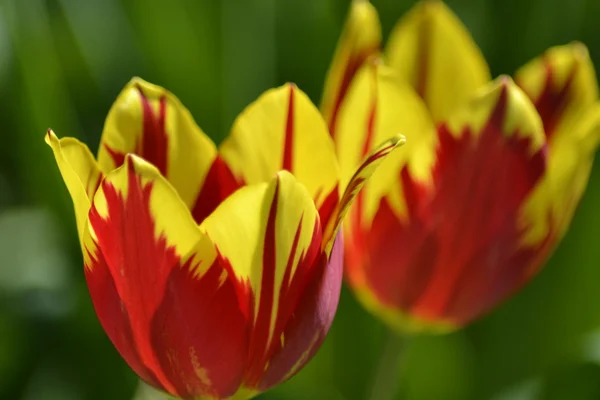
x=148, y=262
x=269, y=235
x=360, y=38
x=283, y=130
x=80, y=172
x=311, y=321
x=149, y=121
x=376, y=107
x=551, y=207
x=432, y=50
x=355, y=185
x=200, y=333
x=562, y=85
x=462, y=248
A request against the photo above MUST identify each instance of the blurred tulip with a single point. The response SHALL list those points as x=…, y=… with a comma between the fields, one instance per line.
x=215, y=273
x=489, y=182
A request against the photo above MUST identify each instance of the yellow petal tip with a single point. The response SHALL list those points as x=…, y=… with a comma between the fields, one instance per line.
x=50, y=137
x=399, y=140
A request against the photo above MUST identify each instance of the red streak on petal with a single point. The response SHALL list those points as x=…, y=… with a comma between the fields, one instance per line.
x=552, y=102
x=218, y=185
x=370, y=128
x=118, y=157
x=292, y=288
x=458, y=252
x=288, y=145
x=357, y=211
x=328, y=207
x=260, y=334
x=139, y=261
x=113, y=317
x=423, y=58
x=355, y=61
x=312, y=317
x=154, y=139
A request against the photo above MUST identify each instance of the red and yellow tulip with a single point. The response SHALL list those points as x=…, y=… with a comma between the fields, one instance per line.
x=491, y=176
x=214, y=272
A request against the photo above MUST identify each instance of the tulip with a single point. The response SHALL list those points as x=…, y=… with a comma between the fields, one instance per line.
x=215, y=273
x=493, y=172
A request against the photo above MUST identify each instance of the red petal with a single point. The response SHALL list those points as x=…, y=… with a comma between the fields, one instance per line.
x=199, y=333
x=218, y=185
x=306, y=330
x=458, y=251
x=261, y=349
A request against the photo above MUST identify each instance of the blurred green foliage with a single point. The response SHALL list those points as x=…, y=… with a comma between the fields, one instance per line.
x=63, y=63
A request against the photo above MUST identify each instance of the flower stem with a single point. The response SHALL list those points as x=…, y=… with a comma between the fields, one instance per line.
x=386, y=379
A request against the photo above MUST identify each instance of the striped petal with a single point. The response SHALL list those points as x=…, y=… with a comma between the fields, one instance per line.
x=305, y=332
x=149, y=121
x=355, y=185
x=432, y=50
x=273, y=252
x=462, y=235
x=80, y=172
x=283, y=130
x=376, y=107
x=562, y=84
x=158, y=288
x=551, y=207
x=360, y=38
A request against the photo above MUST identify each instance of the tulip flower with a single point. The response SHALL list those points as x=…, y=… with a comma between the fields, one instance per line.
x=493, y=172
x=215, y=273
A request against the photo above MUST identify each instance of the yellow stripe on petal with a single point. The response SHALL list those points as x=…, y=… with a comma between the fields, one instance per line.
x=149, y=121
x=432, y=50
x=283, y=130
x=80, y=172
x=562, y=84
x=378, y=106
x=360, y=38
x=270, y=234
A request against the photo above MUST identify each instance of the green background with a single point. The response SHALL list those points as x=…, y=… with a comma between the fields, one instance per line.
x=62, y=64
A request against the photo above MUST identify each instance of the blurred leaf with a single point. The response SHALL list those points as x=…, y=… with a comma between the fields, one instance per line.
x=438, y=367
x=306, y=36
x=145, y=392
x=180, y=44
x=33, y=263
x=546, y=323
x=528, y=390
x=248, y=54
x=573, y=382
x=41, y=100
x=12, y=350
x=105, y=37
x=358, y=339
x=48, y=383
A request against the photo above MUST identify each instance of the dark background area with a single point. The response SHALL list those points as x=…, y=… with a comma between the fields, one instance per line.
x=62, y=64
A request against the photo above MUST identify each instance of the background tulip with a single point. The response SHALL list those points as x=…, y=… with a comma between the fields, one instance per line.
x=446, y=232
